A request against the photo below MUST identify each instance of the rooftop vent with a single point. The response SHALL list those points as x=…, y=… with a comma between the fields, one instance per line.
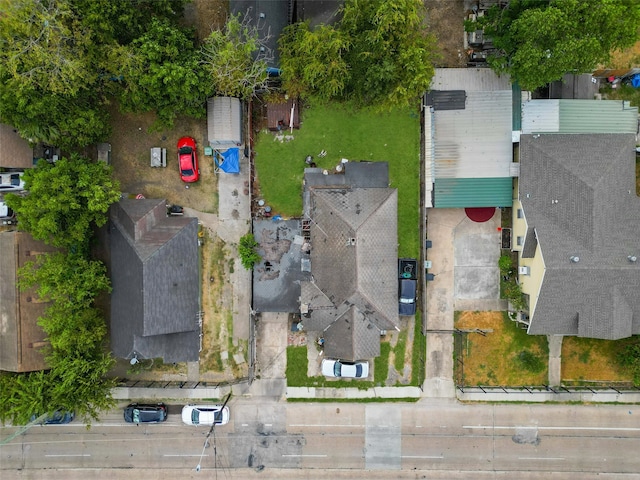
x=632, y=258
x=351, y=241
x=575, y=258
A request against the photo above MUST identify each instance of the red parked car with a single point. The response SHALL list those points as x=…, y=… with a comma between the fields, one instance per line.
x=188, y=160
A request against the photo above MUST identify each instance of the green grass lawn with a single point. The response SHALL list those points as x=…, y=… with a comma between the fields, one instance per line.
x=296, y=373
x=393, y=137
x=505, y=355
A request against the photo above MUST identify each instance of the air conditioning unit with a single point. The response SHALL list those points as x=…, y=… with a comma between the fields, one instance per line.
x=524, y=270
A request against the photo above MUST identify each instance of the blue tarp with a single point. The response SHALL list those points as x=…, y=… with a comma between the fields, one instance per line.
x=635, y=81
x=228, y=161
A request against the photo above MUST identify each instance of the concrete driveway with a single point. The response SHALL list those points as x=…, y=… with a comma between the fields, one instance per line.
x=464, y=261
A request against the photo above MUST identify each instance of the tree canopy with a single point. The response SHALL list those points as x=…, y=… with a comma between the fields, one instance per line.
x=235, y=59
x=538, y=42
x=65, y=200
x=161, y=71
x=380, y=54
x=49, y=86
x=69, y=282
x=61, y=62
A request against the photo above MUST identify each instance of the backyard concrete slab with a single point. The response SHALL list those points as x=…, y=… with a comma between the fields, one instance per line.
x=476, y=283
x=271, y=337
x=476, y=254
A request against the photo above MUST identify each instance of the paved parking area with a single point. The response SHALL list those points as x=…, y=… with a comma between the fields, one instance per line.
x=464, y=261
x=476, y=284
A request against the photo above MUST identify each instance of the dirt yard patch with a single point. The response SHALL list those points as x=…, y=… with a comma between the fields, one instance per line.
x=446, y=22
x=629, y=58
x=131, y=142
x=590, y=361
x=206, y=15
x=223, y=357
x=504, y=355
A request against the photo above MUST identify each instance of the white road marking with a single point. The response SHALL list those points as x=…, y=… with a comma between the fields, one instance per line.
x=70, y=455
x=323, y=425
x=268, y=424
x=181, y=455
x=540, y=458
x=512, y=427
x=422, y=456
x=292, y=455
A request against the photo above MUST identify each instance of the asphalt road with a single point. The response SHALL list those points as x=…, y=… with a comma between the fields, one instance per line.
x=355, y=440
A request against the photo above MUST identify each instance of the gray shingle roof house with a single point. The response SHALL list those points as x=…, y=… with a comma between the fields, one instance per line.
x=21, y=338
x=156, y=282
x=353, y=294
x=580, y=262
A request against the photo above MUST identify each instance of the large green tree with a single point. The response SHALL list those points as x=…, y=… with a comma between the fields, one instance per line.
x=65, y=201
x=70, y=283
x=380, y=54
x=235, y=59
x=74, y=383
x=162, y=72
x=76, y=332
x=538, y=41
x=49, y=86
x=61, y=61
x=122, y=21
x=313, y=62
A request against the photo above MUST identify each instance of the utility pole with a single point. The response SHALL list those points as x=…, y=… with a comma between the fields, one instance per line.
x=206, y=440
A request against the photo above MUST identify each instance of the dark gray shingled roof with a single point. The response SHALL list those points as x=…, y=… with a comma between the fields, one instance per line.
x=352, y=337
x=578, y=193
x=156, y=282
x=354, y=263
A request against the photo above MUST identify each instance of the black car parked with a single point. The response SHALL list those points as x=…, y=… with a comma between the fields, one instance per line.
x=145, y=413
x=58, y=417
x=407, y=285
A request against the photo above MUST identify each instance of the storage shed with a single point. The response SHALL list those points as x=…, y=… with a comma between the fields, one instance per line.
x=224, y=122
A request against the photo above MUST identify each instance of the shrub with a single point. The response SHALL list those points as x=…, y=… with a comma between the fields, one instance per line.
x=505, y=264
x=247, y=249
x=630, y=357
x=531, y=362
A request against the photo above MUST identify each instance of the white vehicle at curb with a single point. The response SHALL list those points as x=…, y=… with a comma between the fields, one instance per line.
x=205, y=415
x=338, y=368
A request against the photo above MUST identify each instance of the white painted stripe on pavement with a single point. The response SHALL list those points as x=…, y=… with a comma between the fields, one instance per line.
x=292, y=455
x=422, y=456
x=511, y=427
x=69, y=455
x=324, y=425
x=540, y=458
x=181, y=455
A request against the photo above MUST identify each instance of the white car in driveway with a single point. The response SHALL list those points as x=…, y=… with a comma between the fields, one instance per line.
x=205, y=415
x=338, y=368
x=11, y=182
x=5, y=212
